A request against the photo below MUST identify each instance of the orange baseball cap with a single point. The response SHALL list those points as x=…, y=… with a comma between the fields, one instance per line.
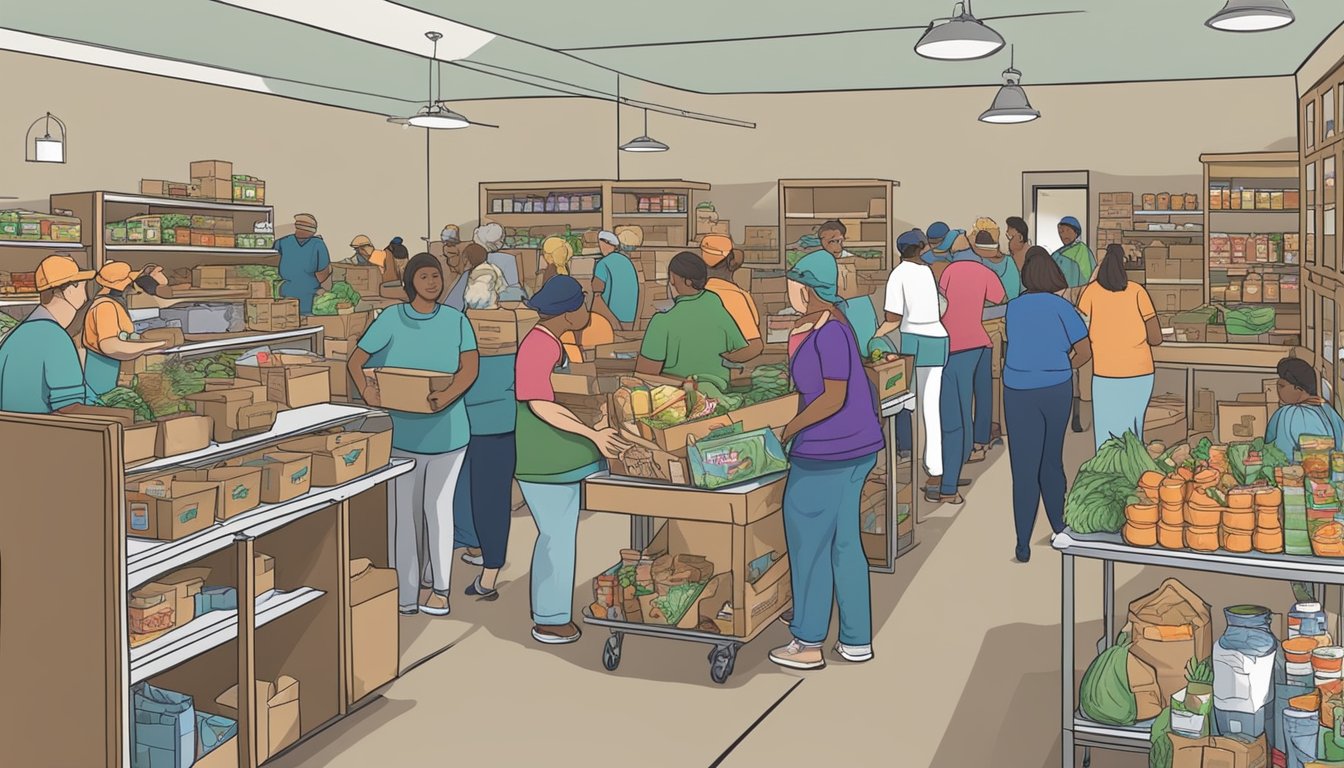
x=715, y=248
x=56, y=271
x=116, y=275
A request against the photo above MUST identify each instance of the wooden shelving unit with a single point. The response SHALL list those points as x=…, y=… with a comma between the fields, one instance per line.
x=602, y=204
x=1273, y=175
x=86, y=566
x=863, y=205
x=1321, y=146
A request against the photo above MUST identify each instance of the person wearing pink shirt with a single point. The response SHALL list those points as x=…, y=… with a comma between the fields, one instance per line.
x=968, y=285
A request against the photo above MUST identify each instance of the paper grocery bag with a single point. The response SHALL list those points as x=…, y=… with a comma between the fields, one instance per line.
x=1218, y=752
x=1143, y=684
x=1170, y=626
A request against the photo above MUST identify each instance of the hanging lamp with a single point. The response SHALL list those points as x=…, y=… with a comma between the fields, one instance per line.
x=1010, y=103
x=45, y=148
x=1251, y=16
x=644, y=143
x=961, y=37
x=435, y=114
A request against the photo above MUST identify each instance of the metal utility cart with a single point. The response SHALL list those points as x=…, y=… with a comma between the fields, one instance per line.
x=901, y=537
x=1110, y=549
x=719, y=521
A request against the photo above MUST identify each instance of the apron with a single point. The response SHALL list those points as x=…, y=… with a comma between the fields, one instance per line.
x=100, y=371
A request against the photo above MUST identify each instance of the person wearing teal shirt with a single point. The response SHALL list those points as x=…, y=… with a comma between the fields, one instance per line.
x=697, y=335
x=1301, y=410
x=615, y=284
x=860, y=313
x=304, y=263
x=1074, y=257
x=483, y=504
x=424, y=335
x=39, y=365
x=986, y=246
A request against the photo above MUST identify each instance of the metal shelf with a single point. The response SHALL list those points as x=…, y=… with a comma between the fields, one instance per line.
x=186, y=203
x=1173, y=282
x=48, y=244
x=147, y=559
x=1188, y=234
x=193, y=249
x=1169, y=213
x=251, y=340
x=681, y=215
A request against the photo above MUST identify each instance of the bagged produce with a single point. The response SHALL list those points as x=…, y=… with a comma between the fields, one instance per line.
x=1170, y=626
x=1105, y=695
x=1249, y=321
x=1159, y=737
x=729, y=455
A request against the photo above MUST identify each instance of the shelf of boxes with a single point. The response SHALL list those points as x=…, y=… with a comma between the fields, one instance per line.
x=864, y=206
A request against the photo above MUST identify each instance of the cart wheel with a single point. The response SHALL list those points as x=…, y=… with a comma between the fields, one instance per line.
x=611, y=653
x=721, y=664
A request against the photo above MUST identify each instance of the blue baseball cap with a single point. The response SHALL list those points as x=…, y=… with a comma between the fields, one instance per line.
x=907, y=239
x=946, y=244
x=937, y=231
x=1069, y=221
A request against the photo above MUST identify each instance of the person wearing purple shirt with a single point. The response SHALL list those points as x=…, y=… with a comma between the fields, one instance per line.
x=833, y=445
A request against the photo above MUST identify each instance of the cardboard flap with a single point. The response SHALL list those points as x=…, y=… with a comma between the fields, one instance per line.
x=1171, y=604
x=186, y=575
x=777, y=570
x=286, y=691
x=359, y=567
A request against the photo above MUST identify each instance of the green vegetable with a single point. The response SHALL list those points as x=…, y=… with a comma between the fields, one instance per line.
x=1096, y=502
x=1160, y=753
x=329, y=303
x=1201, y=451
x=1125, y=455
x=1104, y=694
x=121, y=397
x=1199, y=671
x=678, y=601
x=1242, y=460
x=1250, y=320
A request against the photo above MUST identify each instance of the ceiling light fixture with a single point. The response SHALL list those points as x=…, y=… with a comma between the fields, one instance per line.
x=959, y=38
x=435, y=114
x=644, y=143
x=1251, y=16
x=45, y=148
x=1010, y=103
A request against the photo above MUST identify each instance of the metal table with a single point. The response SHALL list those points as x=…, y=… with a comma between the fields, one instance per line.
x=1110, y=549
x=890, y=409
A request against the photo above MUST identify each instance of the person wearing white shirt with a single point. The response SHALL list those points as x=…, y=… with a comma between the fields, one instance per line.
x=914, y=304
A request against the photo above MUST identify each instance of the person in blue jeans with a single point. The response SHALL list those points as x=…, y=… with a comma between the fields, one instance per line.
x=1047, y=341
x=835, y=440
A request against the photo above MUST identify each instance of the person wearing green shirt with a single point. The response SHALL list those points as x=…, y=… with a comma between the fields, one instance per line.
x=697, y=334
x=424, y=335
x=39, y=365
x=615, y=284
x=556, y=451
x=1074, y=252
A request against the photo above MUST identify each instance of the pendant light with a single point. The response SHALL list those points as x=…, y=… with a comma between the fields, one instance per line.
x=1010, y=103
x=1251, y=16
x=959, y=38
x=644, y=143
x=435, y=114
x=45, y=148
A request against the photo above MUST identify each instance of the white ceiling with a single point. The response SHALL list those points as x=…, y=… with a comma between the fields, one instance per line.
x=371, y=55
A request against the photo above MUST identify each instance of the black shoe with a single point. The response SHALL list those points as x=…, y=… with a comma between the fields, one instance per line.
x=1023, y=554
x=787, y=616
x=474, y=589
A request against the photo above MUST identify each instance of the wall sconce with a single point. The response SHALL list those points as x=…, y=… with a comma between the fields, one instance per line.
x=44, y=148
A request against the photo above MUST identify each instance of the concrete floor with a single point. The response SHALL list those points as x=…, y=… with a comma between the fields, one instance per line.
x=966, y=671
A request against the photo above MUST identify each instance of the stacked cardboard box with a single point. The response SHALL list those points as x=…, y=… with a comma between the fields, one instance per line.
x=1175, y=262
x=215, y=179
x=1117, y=215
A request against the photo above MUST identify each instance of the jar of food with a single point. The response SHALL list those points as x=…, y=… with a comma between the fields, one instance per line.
x=1306, y=619
x=1327, y=663
x=1297, y=656
x=1243, y=671
x=139, y=515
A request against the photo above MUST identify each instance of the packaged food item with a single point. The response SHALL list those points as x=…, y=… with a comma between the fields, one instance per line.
x=1315, y=443
x=1203, y=539
x=1140, y=535
x=1336, y=466
x=1171, y=536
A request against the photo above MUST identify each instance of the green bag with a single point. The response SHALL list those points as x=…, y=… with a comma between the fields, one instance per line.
x=1160, y=753
x=1104, y=695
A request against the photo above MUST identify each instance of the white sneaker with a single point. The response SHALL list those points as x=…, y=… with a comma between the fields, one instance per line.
x=855, y=653
x=435, y=605
x=472, y=556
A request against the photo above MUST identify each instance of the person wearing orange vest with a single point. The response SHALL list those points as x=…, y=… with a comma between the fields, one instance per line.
x=39, y=365
x=108, y=328
x=723, y=260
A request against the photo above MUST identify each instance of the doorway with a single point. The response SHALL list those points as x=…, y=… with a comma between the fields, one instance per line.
x=1049, y=196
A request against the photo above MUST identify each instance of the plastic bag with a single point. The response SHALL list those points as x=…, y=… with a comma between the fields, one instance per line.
x=724, y=458
x=1160, y=752
x=163, y=731
x=1104, y=695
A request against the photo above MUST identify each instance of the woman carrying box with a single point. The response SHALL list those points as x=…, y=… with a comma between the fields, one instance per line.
x=424, y=335
x=836, y=437
x=555, y=452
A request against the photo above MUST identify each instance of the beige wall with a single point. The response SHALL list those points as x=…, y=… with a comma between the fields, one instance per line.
x=1330, y=53
x=357, y=174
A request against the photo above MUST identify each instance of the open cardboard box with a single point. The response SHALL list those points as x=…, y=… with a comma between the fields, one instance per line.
x=648, y=461
x=500, y=331
x=337, y=458
x=296, y=386
x=181, y=434
x=238, y=489
x=240, y=411
x=770, y=414
x=278, y=713
x=168, y=509
x=350, y=326
x=284, y=475
x=374, y=640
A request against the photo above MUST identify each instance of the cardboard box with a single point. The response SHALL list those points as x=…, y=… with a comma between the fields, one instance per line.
x=238, y=489
x=374, y=641
x=214, y=189
x=364, y=278
x=284, y=475
x=138, y=443
x=573, y=383
x=222, y=756
x=732, y=505
x=278, y=714
x=297, y=385
x=123, y=416
x=763, y=237
x=847, y=279
x=185, y=584
x=338, y=377
x=213, y=169
x=1240, y=422
x=1186, y=252
x=1175, y=299
x=1158, y=264
x=213, y=278
x=184, y=509
x=263, y=574
x=173, y=336
x=1219, y=752
x=337, y=458
x=395, y=291
x=259, y=289
x=408, y=389
x=338, y=349
x=500, y=331
x=155, y=187
x=350, y=326
x=268, y=315
x=379, y=447
x=238, y=412
x=181, y=434
x=890, y=377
